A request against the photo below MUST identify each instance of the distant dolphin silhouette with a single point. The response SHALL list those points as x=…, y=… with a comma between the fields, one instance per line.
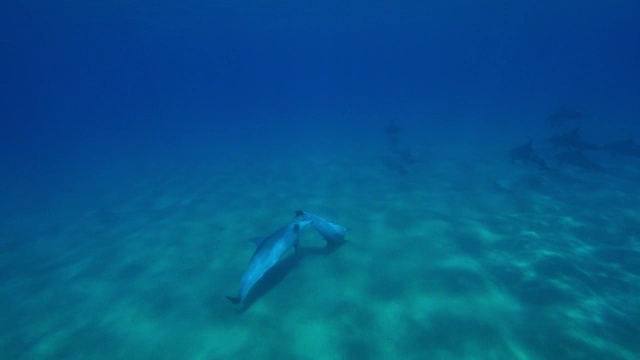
x=332, y=233
x=394, y=164
x=572, y=141
x=270, y=250
x=580, y=160
x=564, y=115
x=392, y=129
x=527, y=154
x=624, y=147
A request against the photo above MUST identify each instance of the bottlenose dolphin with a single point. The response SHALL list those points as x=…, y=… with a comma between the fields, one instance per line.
x=624, y=147
x=270, y=250
x=580, y=160
x=392, y=129
x=332, y=233
x=564, y=115
x=394, y=164
x=392, y=132
x=572, y=141
x=526, y=153
x=403, y=154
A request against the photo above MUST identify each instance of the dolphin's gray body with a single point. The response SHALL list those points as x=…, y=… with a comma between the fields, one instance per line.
x=624, y=147
x=526, y=153
x=269, y=251
x=332, y=233
x=572, y=141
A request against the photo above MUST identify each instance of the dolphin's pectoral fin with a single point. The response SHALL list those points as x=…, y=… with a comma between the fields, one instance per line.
x=234, y=299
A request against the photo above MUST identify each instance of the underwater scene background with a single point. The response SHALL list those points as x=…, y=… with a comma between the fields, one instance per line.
x=482, y=155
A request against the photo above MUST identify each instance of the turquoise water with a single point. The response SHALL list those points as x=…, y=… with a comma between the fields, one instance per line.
x=142, y=145
x=467, y=257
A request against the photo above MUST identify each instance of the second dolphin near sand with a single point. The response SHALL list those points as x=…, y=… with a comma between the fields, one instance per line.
x=332, y=233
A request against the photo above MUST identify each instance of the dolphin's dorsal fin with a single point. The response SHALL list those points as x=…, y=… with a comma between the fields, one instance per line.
x=257, y=240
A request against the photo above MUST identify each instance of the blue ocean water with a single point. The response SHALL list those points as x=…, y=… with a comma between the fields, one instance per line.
x=142, y=143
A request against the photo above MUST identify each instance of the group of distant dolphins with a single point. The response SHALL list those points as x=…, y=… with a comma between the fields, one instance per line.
x=270, y=249
x=570, y=147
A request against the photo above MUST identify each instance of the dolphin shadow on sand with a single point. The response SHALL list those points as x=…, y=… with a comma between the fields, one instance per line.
x=281, y=270
x=271, y=279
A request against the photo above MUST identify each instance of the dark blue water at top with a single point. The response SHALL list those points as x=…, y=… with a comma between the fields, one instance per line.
x=122, y=72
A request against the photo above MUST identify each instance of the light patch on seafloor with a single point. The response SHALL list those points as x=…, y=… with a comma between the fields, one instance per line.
x=315, y=338
x=223, y=342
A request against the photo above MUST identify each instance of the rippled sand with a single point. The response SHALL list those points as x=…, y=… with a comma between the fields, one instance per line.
x=465, y=257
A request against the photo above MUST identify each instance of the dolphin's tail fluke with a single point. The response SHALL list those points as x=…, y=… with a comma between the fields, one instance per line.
x=234, y=299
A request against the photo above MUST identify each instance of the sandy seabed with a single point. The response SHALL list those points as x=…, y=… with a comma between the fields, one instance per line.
x=466, y=257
